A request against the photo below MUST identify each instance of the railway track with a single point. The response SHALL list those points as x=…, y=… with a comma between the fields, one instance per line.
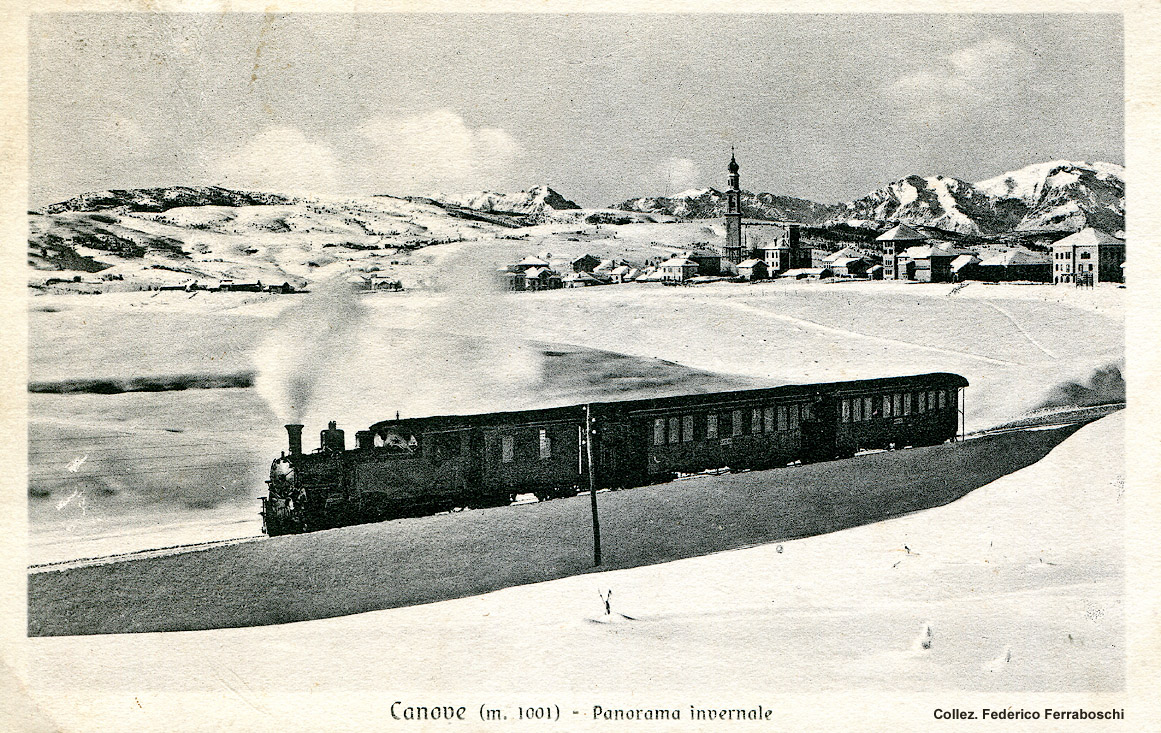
x=1042, y=421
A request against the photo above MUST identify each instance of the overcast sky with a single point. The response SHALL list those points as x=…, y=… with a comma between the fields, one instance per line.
x=600, y=107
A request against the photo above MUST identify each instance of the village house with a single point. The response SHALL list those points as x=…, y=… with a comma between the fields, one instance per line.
x=1015, y=265
x=677, y=269
x=778, y=245
x=541, y=278
x=1088, y=257
x=807, y=273
x=848, y=266
x=930, y=263
x=530, y=262
x=965, y=267
x=585, y=263
x=753, y=269
x=240, y=286
x=621, y=274
x=512, y=279
x=895, y=241
x=708, y=261
x=580, y=280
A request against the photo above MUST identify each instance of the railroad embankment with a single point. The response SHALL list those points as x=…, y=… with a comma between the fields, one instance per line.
x=408, y=562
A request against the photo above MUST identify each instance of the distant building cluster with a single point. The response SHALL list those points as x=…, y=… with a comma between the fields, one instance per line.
x=755, y=250
x=761, y=249
x=234, y=286
x=536, y=272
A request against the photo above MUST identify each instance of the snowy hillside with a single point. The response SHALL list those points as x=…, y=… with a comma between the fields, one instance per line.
x=1059, y=195
x=145, y=237
x=1065, y=195
x=536, y=200
x=946, y=203
x=709, y=203
x=162, y=199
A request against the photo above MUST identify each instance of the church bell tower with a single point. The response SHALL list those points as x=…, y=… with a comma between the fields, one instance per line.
x=732, y=251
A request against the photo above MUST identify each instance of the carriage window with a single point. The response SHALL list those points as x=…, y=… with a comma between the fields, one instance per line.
x=659, y=431
x=898, y=408
x=868, y=408
x=446, y=445
x=793, y=417
x=807, y=412
x=545, y=444
x=886, y=405
x=931, y=400
x=755, y=421
x=906, y=403
x=769, y=419
x=782, y=423
x=736, y=427
x=711, y=425
x=674, y=430
x=942, y=399
x=858, y=411
x=687, y=428
x=508, y=448
x=921, y=402
x=846, y=410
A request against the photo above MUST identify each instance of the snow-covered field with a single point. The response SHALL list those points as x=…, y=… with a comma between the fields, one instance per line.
x=103, y=465
x=1015, y=588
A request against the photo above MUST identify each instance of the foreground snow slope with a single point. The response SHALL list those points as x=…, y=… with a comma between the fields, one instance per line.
x=1019, y=583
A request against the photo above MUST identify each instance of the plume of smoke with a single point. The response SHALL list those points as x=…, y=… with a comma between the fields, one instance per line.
x=305, y=342
x=452, y=348
x=1105, y=386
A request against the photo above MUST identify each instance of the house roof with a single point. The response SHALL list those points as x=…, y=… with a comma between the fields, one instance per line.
x=1088, y=237
x=963, y=261
x=533, y=261
x=678, y=262
x=901, y=233
x=1014, y=257
x=847, y=252
x=538, y=271
x=931, y=250
x=622, y=270
x=806, y=271
x=846, y=261
x=581, y=276
x=750, y=263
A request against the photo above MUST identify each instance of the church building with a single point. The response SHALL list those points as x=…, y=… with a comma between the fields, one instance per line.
x=776, y=244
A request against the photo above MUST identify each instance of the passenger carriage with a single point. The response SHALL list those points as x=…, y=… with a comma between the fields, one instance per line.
x=418, y=466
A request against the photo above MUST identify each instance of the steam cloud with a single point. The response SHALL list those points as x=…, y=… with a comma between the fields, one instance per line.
x=451, y=349
x=305, y=343
x=1105, y=386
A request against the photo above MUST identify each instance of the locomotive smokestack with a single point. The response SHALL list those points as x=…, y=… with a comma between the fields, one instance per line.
x=295, y=433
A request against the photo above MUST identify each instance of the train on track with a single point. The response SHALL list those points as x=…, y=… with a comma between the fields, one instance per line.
x=426, y=465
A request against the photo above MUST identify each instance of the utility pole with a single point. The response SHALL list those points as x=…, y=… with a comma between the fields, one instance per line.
x=590, y=432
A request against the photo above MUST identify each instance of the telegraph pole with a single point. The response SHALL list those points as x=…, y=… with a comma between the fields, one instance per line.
x=590, y=432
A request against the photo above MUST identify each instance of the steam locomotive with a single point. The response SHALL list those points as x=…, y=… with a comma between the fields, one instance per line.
x=419, y=466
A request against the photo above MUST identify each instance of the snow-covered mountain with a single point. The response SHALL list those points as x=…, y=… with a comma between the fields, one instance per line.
x=709, y=203
x=163, y=199
x=1059, y=195
x=536, y=200
x=936, y=201
x=1065, y=195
